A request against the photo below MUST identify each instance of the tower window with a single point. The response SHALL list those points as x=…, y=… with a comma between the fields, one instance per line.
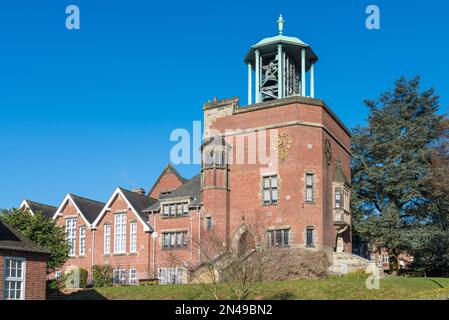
x=309, y=237
x=309, y=187
x=337, y=199
x=270, y=190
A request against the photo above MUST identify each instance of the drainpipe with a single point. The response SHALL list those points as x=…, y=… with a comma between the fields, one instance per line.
x=200, y=214
x=191, y=242
x=93, y=247
x=154, y=244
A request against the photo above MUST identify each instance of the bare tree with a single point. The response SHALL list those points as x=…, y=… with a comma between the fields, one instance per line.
x=236, y=268
x=250, y=259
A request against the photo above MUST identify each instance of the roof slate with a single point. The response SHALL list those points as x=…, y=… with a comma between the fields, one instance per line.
x=89, y=208
x=192, y=189
x=138, y=202
x=46, y=210
x=12, y=240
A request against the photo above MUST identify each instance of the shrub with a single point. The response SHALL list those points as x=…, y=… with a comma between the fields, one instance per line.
x=102, y=275
x=54, y=284
x=83, y=277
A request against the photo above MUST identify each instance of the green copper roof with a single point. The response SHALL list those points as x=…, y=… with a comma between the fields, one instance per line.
x=279, y=38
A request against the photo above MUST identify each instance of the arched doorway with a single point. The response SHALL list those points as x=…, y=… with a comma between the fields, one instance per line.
x=246, y=243
x=243, y=241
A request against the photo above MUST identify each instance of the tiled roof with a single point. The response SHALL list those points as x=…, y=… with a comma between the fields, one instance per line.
x=12, y=240
x=46, y=210
x=168, y=169
x=90, y=209
x=138, y=202
x=192, y=189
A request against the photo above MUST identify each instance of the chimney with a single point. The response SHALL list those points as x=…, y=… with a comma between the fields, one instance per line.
x=139, y=191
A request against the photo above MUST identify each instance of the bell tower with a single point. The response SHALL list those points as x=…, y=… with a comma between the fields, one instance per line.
x=280, y=65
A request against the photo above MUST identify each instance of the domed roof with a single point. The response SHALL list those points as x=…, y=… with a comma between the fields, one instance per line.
x=291, y=45
x=280, y=38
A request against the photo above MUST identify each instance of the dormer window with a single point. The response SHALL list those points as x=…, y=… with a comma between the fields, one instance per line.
x=175, y=210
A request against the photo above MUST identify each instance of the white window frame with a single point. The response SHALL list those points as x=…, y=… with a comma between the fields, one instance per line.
x=133, y=237
x=70, y=229
x=132, y=276
x=107, y=239
x=120, y=233
x=171, y=275
x=9, y=279
x=82, y=241
x=119, y=276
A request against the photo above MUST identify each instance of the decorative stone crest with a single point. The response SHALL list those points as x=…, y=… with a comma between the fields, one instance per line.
x=328, y=151
x=282, y=145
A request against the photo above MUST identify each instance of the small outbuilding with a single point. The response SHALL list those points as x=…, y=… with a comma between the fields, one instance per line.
x=23, y=267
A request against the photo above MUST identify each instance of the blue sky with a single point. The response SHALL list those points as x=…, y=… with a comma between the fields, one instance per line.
x=85, y=111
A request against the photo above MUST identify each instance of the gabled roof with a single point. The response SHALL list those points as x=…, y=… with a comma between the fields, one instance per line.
x=137, y=203
x=88, y=209
x=192, y=189
x=12, y=240
x=168, y=169
x=35, y=207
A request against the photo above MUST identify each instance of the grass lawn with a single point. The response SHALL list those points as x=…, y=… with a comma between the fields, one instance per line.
x=334, y=288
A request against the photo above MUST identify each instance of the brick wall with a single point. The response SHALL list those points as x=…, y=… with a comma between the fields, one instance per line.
x=82, y=261
x=308, y=125
x=139, y=260
x=169, y=181
x=35, y=275
x=168, y=258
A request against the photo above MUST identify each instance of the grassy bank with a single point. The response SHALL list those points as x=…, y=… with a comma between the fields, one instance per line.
x=335, y=288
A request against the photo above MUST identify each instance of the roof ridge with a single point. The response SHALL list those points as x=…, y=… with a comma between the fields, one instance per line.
x=84, y=198
x=172, y=169
x=40, y=203
x=32, y=245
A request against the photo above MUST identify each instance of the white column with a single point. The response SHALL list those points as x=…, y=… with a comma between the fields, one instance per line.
x=303, y=72
x=312, y=80
x=250, y=84
x=280, y=73
x=257, y=84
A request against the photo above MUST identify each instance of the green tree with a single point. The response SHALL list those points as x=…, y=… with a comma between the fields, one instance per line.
x=392, y=167
x=42, y=231
x=431, y=245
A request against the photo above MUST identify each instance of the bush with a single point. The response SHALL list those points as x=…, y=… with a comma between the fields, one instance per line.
x=102, y=275
x=83, y=277
x=54, y=284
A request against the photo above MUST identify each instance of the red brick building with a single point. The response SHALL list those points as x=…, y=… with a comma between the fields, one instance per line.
x=282, y=162
x=22, y=267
